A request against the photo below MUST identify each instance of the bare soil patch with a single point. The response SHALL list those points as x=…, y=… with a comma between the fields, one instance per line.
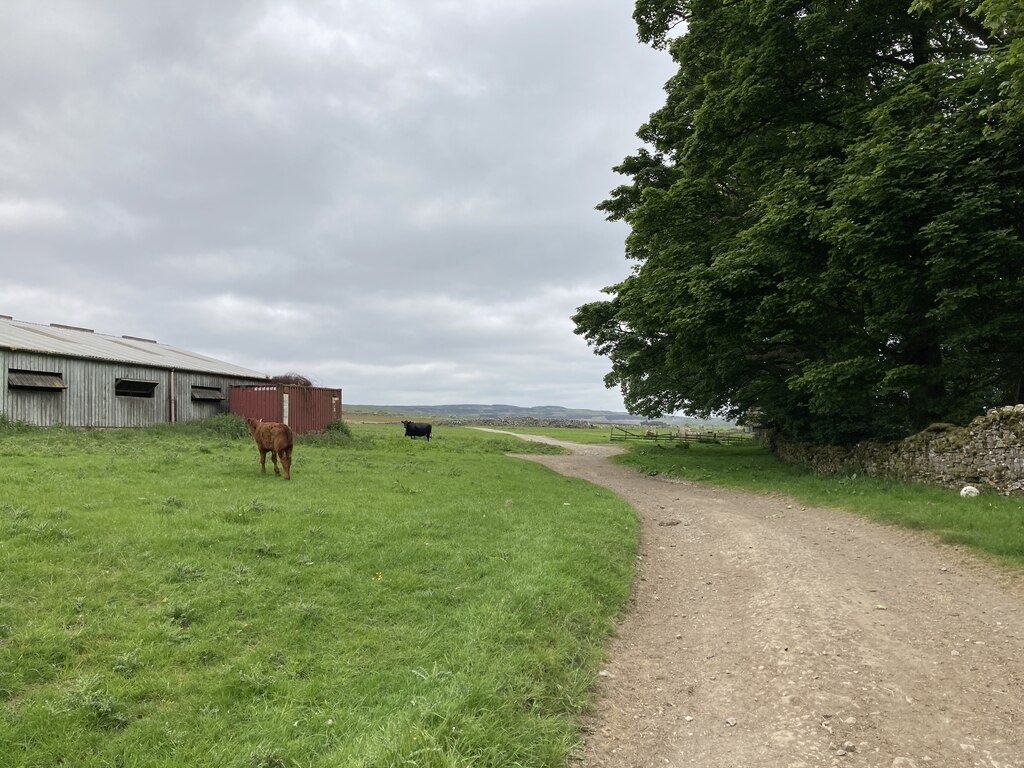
x=762, y=632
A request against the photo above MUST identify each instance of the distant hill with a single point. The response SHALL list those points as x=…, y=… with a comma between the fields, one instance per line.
x=499, y=411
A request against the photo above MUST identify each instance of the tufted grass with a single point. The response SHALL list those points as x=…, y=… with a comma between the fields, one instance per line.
x=398, y=602
x=990, y=524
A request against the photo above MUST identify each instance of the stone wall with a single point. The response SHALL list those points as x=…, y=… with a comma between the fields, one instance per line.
x=520, y=421
x=987, y=452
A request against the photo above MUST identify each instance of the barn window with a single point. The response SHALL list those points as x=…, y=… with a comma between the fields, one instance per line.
x=207, y=393
x=134, y=388
x=39, y=381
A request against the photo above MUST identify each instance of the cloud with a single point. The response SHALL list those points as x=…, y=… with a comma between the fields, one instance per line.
x=394, y=198
x=31, y=214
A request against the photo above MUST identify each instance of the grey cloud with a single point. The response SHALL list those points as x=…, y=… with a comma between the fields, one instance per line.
x=396, y=197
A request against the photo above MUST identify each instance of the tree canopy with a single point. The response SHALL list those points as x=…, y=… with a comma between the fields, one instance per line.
x=826, y=218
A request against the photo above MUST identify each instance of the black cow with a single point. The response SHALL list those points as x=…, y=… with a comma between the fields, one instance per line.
x=417, y=429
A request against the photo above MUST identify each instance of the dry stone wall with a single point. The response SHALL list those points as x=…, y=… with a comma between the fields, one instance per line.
x=987, y=452
x=520, y=421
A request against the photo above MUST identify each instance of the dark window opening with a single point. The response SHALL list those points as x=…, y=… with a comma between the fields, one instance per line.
x=38, y=381
x=134, y=388
x=206, y=393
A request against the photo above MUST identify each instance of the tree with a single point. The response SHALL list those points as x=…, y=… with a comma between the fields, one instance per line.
x=1004, y=22
x=827, y=227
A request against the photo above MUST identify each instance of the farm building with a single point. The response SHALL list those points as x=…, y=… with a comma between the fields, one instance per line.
x=59, y=374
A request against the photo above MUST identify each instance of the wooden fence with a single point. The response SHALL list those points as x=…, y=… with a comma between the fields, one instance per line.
x=619, y=434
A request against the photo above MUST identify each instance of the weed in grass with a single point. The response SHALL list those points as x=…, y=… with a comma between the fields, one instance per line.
x=11, y=426
x=15, y=512
x=266, y=757
x=127, y=664
x=266, y=549
x=184, y=572
x=338, y=433
x=403, y=488
x=450, y=472
x=91, y=698
x=246, y=513
x=236, y=515
x=172, y=503
x=46, y=532
x=183, y=616
x=255, y=682
x=433, y=675
x=308, y=613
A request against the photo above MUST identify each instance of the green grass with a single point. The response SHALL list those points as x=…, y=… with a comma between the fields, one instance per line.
x=398, y=602
x=991, y=524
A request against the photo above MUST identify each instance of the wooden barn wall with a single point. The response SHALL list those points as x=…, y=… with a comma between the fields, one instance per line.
x=90, y=400
x=193, y=410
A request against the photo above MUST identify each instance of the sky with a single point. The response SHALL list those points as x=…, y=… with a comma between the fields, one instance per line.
x=394, y=197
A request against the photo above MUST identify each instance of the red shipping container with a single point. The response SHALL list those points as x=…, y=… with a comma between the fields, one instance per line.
x=304, y=409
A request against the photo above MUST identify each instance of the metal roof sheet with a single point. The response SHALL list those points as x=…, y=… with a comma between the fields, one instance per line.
x=82, y=342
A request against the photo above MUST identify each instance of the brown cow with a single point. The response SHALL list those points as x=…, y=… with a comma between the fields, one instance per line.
x=276, y=438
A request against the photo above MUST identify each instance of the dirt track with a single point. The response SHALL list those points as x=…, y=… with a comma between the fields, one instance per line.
x=764, y=633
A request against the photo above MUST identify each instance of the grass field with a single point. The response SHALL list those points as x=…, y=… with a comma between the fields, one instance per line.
x=398, y=602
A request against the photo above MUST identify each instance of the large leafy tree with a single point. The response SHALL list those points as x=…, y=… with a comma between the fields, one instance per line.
x=1004, y=20
x=827, y=223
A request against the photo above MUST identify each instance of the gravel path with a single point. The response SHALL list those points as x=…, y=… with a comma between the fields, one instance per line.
x=764, y=633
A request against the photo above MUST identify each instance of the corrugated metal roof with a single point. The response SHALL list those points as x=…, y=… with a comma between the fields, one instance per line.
x=81, y=342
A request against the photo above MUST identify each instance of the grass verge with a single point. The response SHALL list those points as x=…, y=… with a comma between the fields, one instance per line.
x=991, y=524
x=398, y=602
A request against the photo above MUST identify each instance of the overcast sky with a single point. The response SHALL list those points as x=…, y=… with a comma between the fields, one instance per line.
x=392, y=197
